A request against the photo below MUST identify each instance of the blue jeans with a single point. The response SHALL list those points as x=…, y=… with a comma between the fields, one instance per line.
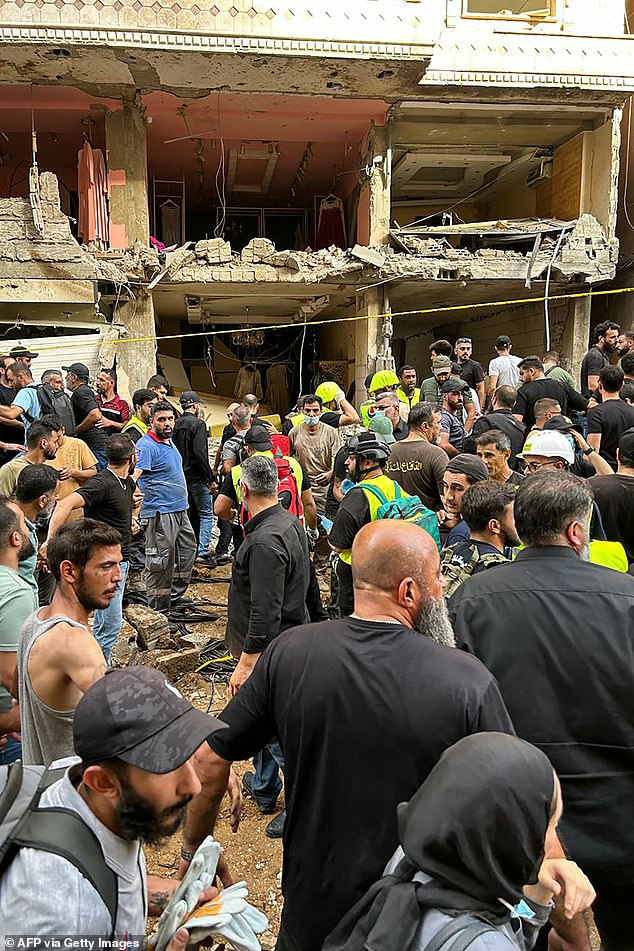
x=107, y=622
x=11, y=752
x=204, y=505
x=267, y=784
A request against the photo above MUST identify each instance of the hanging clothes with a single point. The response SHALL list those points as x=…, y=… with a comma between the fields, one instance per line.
x=170, y=223
x=277, y=388
x=248, y=381
x=331, y=228
x=101, y=199
x=92, y=185
x=87, y=224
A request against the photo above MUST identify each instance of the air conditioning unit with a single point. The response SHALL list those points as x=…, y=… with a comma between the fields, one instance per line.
x=541, y=173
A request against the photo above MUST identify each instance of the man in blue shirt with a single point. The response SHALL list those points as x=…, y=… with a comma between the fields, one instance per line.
x=26, y=404
x=170, y=548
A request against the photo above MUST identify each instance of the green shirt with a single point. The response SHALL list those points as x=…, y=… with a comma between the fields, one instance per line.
x=17, y=602
x=561, y=375
x=430, y=392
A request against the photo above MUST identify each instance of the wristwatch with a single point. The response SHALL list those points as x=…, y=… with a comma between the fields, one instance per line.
x=588, y=451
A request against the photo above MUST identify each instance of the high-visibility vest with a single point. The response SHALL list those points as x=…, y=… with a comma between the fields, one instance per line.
x=409, y=400
x=389, y=489
x=294, y=464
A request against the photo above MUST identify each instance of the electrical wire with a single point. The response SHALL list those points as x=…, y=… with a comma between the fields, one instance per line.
x=219, y=230
x=301, y=358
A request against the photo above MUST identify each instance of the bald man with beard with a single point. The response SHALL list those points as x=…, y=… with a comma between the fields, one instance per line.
x=363, y=708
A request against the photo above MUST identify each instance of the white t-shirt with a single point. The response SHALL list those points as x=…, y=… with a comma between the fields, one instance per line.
x=43, y=894
x=505, y=369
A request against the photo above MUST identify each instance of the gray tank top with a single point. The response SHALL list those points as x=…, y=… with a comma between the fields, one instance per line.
x=47, y=734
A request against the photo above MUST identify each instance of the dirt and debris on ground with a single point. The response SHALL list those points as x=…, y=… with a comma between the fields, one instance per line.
x=251, y=855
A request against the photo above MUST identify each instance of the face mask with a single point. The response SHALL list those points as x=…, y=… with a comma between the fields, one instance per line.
x=376, y=413
x=311, y=420
x=572, y=442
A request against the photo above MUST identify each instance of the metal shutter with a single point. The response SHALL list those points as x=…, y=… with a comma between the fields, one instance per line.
x=55, y=352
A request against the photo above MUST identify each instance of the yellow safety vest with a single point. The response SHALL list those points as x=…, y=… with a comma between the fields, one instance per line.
x=294, y=464
x=364, y=409
x=608, y=554
x=385, y=485
x=409, y=401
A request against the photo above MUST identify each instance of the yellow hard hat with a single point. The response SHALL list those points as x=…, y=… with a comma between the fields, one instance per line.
x=383, y=379
x=327, y=391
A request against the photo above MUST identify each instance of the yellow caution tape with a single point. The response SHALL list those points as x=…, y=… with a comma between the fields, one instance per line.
x=341, y=320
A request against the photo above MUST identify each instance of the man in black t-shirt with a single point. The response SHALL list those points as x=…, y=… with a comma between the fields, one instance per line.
x=614, y=494
x=107, y=497
x=612, y=417
x=470, y=370
x=363, y=710
x=606, y=341
x=536, y=386
x=89, y=420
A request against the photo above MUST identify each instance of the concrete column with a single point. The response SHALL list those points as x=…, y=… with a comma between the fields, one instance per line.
x=576, y=336
x=136, y=362
x=368, y=338
x=380, y=184
x=126, y=148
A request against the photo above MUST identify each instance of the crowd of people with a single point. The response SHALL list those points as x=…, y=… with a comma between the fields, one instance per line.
x=430, y=611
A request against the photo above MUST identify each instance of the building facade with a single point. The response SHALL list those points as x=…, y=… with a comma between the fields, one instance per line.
x=200, y=169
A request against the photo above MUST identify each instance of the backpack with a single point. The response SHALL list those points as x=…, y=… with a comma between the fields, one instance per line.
x=288, y=493
x=464, y=930
x=460, y=561
x=407, y=508
x=281, y=444
x=56, y=830
x=54, y=402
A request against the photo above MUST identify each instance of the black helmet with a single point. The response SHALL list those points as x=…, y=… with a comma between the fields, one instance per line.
x=369, y=446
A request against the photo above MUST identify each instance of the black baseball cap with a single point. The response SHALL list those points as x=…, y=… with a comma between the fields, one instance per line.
x=188, y=398
x=453, y=385
x=80, y=370
x=561, y=424
x=258, y=438
x=21, y=351
x=136, y=715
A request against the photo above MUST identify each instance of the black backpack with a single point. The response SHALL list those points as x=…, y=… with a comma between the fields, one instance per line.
x=60, y=831
x=58, y=403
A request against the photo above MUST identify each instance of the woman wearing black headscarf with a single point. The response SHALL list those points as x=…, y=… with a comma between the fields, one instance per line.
x=472, y=846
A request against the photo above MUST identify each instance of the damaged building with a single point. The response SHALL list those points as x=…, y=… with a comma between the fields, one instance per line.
x=315, y=188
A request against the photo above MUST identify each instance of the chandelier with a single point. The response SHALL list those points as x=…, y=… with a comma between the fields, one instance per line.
x=248, y=338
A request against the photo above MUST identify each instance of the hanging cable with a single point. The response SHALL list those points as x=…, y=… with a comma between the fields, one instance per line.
x=547, y=286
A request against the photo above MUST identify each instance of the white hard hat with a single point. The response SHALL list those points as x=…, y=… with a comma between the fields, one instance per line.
x=548, y=442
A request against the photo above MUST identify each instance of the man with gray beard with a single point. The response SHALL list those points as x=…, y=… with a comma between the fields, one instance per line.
x=363, y=708
x=558, y=634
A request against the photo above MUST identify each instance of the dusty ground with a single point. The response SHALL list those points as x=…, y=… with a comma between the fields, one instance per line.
x=252, y=856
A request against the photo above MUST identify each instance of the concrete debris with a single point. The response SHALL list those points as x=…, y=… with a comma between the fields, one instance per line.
x=214, y=251
x=368, y=255
x=151, y=627
x=125, y=649
x=172, y=663
x=25, y=253
x=257, y=250
x=430, y=255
